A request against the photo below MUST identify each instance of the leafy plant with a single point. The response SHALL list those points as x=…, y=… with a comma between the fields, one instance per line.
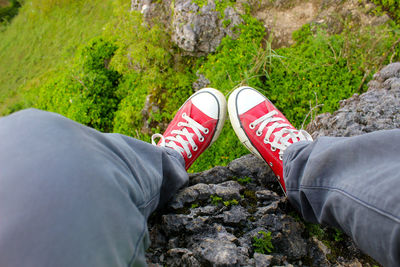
x=264, y=244
x=231, y=202
x=215, y=200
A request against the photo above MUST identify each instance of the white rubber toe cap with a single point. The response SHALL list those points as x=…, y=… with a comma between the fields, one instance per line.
x=207, y=103
x=246, y=98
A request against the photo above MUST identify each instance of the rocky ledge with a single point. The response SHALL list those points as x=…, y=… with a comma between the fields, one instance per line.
x=238, y=216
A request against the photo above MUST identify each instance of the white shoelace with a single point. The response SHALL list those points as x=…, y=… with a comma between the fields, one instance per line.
x=197, y=128
x=282, y=137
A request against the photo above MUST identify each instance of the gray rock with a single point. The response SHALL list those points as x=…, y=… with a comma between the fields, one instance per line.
x=200, y=30
x=181, y=257
x=376, y=109
x=261, y=211
x=201, y=82
x=235, y=215
x=207, y=210
x=266, y=195
x=216, y=252
x=251, y=166
x=176, y=223
x=389, y=71
x=262, y=260
x=215, y=175
x=228, y=190
x=191, y=194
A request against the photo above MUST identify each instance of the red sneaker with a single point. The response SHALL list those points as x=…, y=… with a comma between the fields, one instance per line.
x=196, y=125
x=262, y=128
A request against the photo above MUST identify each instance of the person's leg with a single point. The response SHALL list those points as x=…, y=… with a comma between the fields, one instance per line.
x=72, y=196
x=351, y=183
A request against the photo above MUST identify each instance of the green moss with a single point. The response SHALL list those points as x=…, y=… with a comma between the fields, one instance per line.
x=231, y=202
x=243, y=181
x=215, y=200
x=194, y=205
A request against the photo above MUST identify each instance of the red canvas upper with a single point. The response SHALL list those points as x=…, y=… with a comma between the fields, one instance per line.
x=269, y=155
x=196, y=114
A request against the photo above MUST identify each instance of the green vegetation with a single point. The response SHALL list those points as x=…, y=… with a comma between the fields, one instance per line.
x=97, y=63
x=215, y=200
x=323, y=69
x=390, y=6
x=243, y=181
x=151, y=66
x=231, y=202
x=41, y=39
x=9, y=11
x=194, y=205
x=86, y=93
x=220, y=5
x=263, y=245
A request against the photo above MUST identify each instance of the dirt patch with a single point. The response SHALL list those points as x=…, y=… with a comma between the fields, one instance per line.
x=4, y=3
x=282, y=17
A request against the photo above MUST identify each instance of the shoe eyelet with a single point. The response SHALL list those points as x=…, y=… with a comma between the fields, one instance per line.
x=280, y=157
x=252, y=126
x=183, y=115
x=195, y=148
x=258, y=133
x=270, y=164
x=189, y=156
x=273, y=149
x=179, y=123
x=206, y=131
x=265, y=141
x=201, y=139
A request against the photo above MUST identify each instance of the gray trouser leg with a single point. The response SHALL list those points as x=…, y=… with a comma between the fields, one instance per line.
x=352, y=183
x=72, y=196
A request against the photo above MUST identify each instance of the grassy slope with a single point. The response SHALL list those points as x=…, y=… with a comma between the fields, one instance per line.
x=39, y=41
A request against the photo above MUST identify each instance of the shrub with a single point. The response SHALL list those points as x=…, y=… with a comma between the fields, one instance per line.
x=10, y=11
x=390, y=6
x=152, y=67
x=86, y=93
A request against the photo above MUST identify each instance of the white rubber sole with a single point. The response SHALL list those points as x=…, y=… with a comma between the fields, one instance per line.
x=236, y=125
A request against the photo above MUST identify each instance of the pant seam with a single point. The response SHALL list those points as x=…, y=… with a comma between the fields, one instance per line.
x=137, y=243
x=343, y=192
x=145, y=204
